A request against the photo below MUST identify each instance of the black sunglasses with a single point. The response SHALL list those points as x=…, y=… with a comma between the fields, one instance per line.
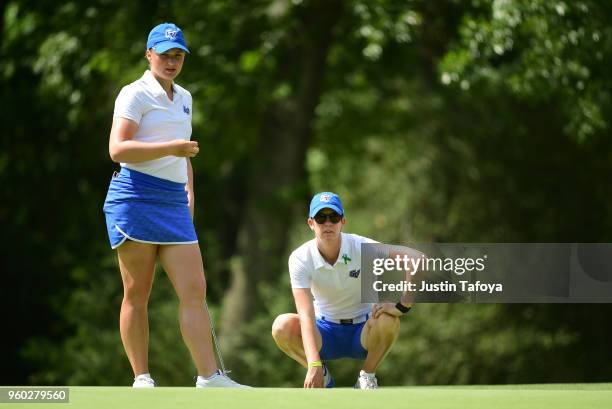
x=321, y=218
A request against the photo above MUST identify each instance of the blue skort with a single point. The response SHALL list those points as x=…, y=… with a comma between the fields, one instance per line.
x=341, y=340
x=147, y=209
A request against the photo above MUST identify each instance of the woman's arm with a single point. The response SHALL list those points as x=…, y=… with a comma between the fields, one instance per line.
x=123, y=148
x=305, y=310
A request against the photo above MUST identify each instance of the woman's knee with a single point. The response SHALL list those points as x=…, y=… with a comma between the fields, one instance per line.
x=136, y=294
x=387, y=324
x=285, y=327
x=192, y=289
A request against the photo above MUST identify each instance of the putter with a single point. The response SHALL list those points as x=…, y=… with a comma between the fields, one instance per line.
x=215, y=341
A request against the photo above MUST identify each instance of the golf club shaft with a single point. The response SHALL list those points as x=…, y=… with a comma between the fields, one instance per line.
x=214, y=337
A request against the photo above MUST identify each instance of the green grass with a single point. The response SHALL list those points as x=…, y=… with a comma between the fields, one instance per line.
x=557, y=396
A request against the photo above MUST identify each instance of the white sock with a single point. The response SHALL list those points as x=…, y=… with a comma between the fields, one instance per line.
x=366, y=374
x=144, y=375
x=217, y=372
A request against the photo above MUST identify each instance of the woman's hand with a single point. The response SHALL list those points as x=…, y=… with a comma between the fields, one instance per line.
x=385, y=308
x=314, y=377
x=183, y=148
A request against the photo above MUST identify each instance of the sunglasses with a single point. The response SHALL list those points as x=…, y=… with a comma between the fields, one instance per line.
x=321, y=218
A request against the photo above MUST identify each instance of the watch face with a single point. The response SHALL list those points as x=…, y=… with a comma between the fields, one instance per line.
x=403, y=309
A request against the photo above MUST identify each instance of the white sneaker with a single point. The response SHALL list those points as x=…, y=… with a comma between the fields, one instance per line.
x=218, y=380
x=366, y=381
x=143, y=381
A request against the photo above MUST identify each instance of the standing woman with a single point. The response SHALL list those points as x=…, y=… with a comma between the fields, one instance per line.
x=150, y=204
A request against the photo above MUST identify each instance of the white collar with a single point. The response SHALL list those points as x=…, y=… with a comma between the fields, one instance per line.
x=318, y=259
x=155, y=86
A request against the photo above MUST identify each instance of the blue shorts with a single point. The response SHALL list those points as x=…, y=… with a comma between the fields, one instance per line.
x=147, y=209
x=341, y=340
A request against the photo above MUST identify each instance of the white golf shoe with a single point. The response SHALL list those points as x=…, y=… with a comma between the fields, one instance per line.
x=143, y=381
x=218, y=380
x=366, y=381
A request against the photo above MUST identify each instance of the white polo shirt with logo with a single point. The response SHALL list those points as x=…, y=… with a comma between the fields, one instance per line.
x=336, y=289
x=159, y=120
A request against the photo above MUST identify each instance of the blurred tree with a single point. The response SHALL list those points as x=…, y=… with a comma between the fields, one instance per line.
x=540, y=51
x=52, y=162
x=283, y=66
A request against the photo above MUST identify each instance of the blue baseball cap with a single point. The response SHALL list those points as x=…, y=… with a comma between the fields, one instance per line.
x=325, y=200
x=166, y=36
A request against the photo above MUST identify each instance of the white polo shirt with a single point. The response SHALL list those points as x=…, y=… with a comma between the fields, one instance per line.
x=336, y=289
x=159, y=120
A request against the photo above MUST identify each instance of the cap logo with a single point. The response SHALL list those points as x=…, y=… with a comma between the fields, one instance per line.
x=325, y=198
x=171, y=34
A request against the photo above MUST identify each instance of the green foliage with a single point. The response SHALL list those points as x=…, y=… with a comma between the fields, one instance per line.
x=540, y=50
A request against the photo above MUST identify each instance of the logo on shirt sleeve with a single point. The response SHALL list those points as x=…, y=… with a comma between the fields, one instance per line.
x=186, y=109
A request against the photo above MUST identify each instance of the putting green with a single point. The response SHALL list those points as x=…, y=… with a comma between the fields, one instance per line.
x=555, y=396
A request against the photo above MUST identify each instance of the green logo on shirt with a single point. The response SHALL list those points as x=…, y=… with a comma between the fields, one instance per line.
x=346, y=258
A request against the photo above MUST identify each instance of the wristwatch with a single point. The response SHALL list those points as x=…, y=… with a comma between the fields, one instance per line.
x=402, y=308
